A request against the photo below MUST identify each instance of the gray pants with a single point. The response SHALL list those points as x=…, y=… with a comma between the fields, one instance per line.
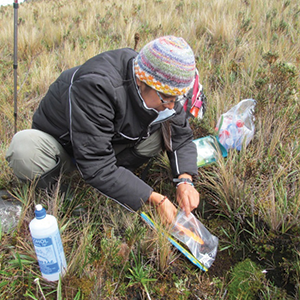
x=32, y=153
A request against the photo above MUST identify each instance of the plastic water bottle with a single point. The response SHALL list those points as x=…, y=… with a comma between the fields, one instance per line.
x=47, y=243
x=233, y=136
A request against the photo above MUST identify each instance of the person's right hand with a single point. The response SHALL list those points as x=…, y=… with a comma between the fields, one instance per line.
x=166, y=209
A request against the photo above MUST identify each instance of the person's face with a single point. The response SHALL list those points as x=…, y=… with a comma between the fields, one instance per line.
x=153, y=99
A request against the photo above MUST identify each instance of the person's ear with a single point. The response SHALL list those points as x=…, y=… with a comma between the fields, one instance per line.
x=138, y=82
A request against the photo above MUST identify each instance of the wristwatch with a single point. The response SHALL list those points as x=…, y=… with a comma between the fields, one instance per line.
x=180, y=181
x=187, y=180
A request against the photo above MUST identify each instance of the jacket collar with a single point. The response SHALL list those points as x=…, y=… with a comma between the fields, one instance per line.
x=146, y=115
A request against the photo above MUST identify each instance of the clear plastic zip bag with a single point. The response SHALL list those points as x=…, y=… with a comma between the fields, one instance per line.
x=191, y=232
x=236, y=126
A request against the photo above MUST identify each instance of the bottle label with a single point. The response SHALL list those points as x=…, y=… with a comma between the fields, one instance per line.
x=46, y=254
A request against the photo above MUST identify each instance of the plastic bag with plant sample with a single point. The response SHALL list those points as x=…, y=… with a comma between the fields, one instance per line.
x=236, y=126
x=190, y=231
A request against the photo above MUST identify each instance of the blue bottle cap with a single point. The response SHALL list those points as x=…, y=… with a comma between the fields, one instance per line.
x=40, y=212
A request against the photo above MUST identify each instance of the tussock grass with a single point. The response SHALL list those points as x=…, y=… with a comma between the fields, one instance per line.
x=250, y=200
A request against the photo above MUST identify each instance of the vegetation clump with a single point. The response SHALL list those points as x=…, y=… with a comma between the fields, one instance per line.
x=247, y=279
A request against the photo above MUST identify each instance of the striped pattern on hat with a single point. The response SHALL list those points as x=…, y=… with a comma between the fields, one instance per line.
x=166, y=64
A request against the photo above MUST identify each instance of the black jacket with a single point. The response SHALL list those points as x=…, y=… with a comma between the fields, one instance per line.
x=91, y=107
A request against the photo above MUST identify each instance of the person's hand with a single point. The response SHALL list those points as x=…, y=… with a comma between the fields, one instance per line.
x=187, y=197
x=166, y=209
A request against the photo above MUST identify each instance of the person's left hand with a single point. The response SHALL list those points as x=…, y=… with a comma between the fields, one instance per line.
x=187, y=197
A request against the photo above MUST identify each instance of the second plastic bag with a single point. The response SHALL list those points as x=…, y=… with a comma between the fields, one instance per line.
x=236, y=126
x=190, y=231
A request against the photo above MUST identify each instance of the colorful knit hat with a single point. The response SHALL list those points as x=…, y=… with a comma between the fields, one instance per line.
x=166, y=64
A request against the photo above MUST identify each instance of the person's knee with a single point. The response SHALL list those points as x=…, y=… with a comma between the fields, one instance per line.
x=27, y=156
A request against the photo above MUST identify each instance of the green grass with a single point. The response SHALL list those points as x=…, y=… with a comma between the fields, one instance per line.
x=250, y=200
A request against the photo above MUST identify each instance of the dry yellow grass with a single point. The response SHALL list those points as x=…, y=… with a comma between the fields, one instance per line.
x=244, y=49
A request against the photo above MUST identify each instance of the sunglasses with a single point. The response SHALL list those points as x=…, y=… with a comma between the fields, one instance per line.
x=167, y=102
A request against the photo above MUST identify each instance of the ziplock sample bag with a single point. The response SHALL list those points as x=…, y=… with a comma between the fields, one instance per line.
x=172, y=240
x=236, y=126
x=190, y=231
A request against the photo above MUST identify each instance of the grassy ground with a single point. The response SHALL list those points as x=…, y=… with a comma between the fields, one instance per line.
x=250, y=201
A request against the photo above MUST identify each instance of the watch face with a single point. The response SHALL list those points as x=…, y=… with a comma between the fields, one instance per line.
x=178, y=180
x=185, y=180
